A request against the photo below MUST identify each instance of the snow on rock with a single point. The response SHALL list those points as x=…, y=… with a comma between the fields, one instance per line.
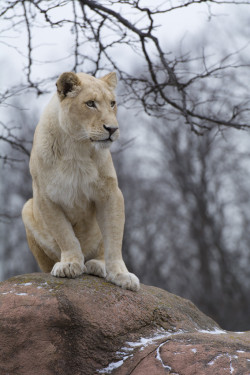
x=93, y=327
x=215, y=331
x=140, y=344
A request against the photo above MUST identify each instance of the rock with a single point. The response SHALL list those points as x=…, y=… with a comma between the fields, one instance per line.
x=87, y=326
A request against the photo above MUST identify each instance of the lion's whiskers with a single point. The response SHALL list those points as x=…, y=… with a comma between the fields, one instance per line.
x=83, y=137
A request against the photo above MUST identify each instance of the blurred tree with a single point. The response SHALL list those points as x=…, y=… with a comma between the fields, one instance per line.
x=186, y=220
x=16, y=189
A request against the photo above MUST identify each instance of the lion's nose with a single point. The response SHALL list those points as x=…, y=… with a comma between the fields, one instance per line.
x=110, y=129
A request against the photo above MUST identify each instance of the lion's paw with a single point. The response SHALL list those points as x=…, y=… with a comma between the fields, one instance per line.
x=125, y=280
x=96, y=267
x=67, y=269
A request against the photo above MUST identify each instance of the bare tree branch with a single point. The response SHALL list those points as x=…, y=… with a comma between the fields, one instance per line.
x=170, y=85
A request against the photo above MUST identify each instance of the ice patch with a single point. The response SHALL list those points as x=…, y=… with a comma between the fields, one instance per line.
x=3, y=293
x=21, y=294
x=215, y=331
x=194, y=350
x=231, y=357
x=112, y=366
x=25, y=284
x=142, y=343
x=158, y=356
x=125, y=349
x=211, y=363
x=42, y=285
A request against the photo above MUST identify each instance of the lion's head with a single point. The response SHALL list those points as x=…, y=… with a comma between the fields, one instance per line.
x=88, y=108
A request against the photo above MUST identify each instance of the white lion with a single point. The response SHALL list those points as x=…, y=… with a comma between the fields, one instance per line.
x=77, y=211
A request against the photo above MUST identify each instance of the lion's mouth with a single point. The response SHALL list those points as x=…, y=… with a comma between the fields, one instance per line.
x=106, y=140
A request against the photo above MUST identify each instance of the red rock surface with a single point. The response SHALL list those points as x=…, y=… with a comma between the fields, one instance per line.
x=199, y=353
x=87, y=326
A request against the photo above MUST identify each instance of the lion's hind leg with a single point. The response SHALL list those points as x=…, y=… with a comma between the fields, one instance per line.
x=45, y=263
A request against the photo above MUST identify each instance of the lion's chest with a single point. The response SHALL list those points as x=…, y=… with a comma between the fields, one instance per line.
x=71, y=182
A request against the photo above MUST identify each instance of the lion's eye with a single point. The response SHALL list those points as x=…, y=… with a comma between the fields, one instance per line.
x=91, y=104
x=113, y=103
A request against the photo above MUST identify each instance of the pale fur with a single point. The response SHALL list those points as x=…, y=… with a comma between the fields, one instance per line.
x=75, y=220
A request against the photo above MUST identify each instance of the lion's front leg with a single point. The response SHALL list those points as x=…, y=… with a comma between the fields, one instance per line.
x=71, y=263
x=110, y=217
x=119, y=275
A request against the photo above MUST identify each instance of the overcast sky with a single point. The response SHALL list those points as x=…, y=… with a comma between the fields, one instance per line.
x=186, y=25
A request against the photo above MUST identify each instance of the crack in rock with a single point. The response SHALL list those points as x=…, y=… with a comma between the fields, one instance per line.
x=142, y=343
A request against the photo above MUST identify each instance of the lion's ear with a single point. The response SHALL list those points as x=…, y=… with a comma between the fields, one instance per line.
x=110, y=79
x=68, y=84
